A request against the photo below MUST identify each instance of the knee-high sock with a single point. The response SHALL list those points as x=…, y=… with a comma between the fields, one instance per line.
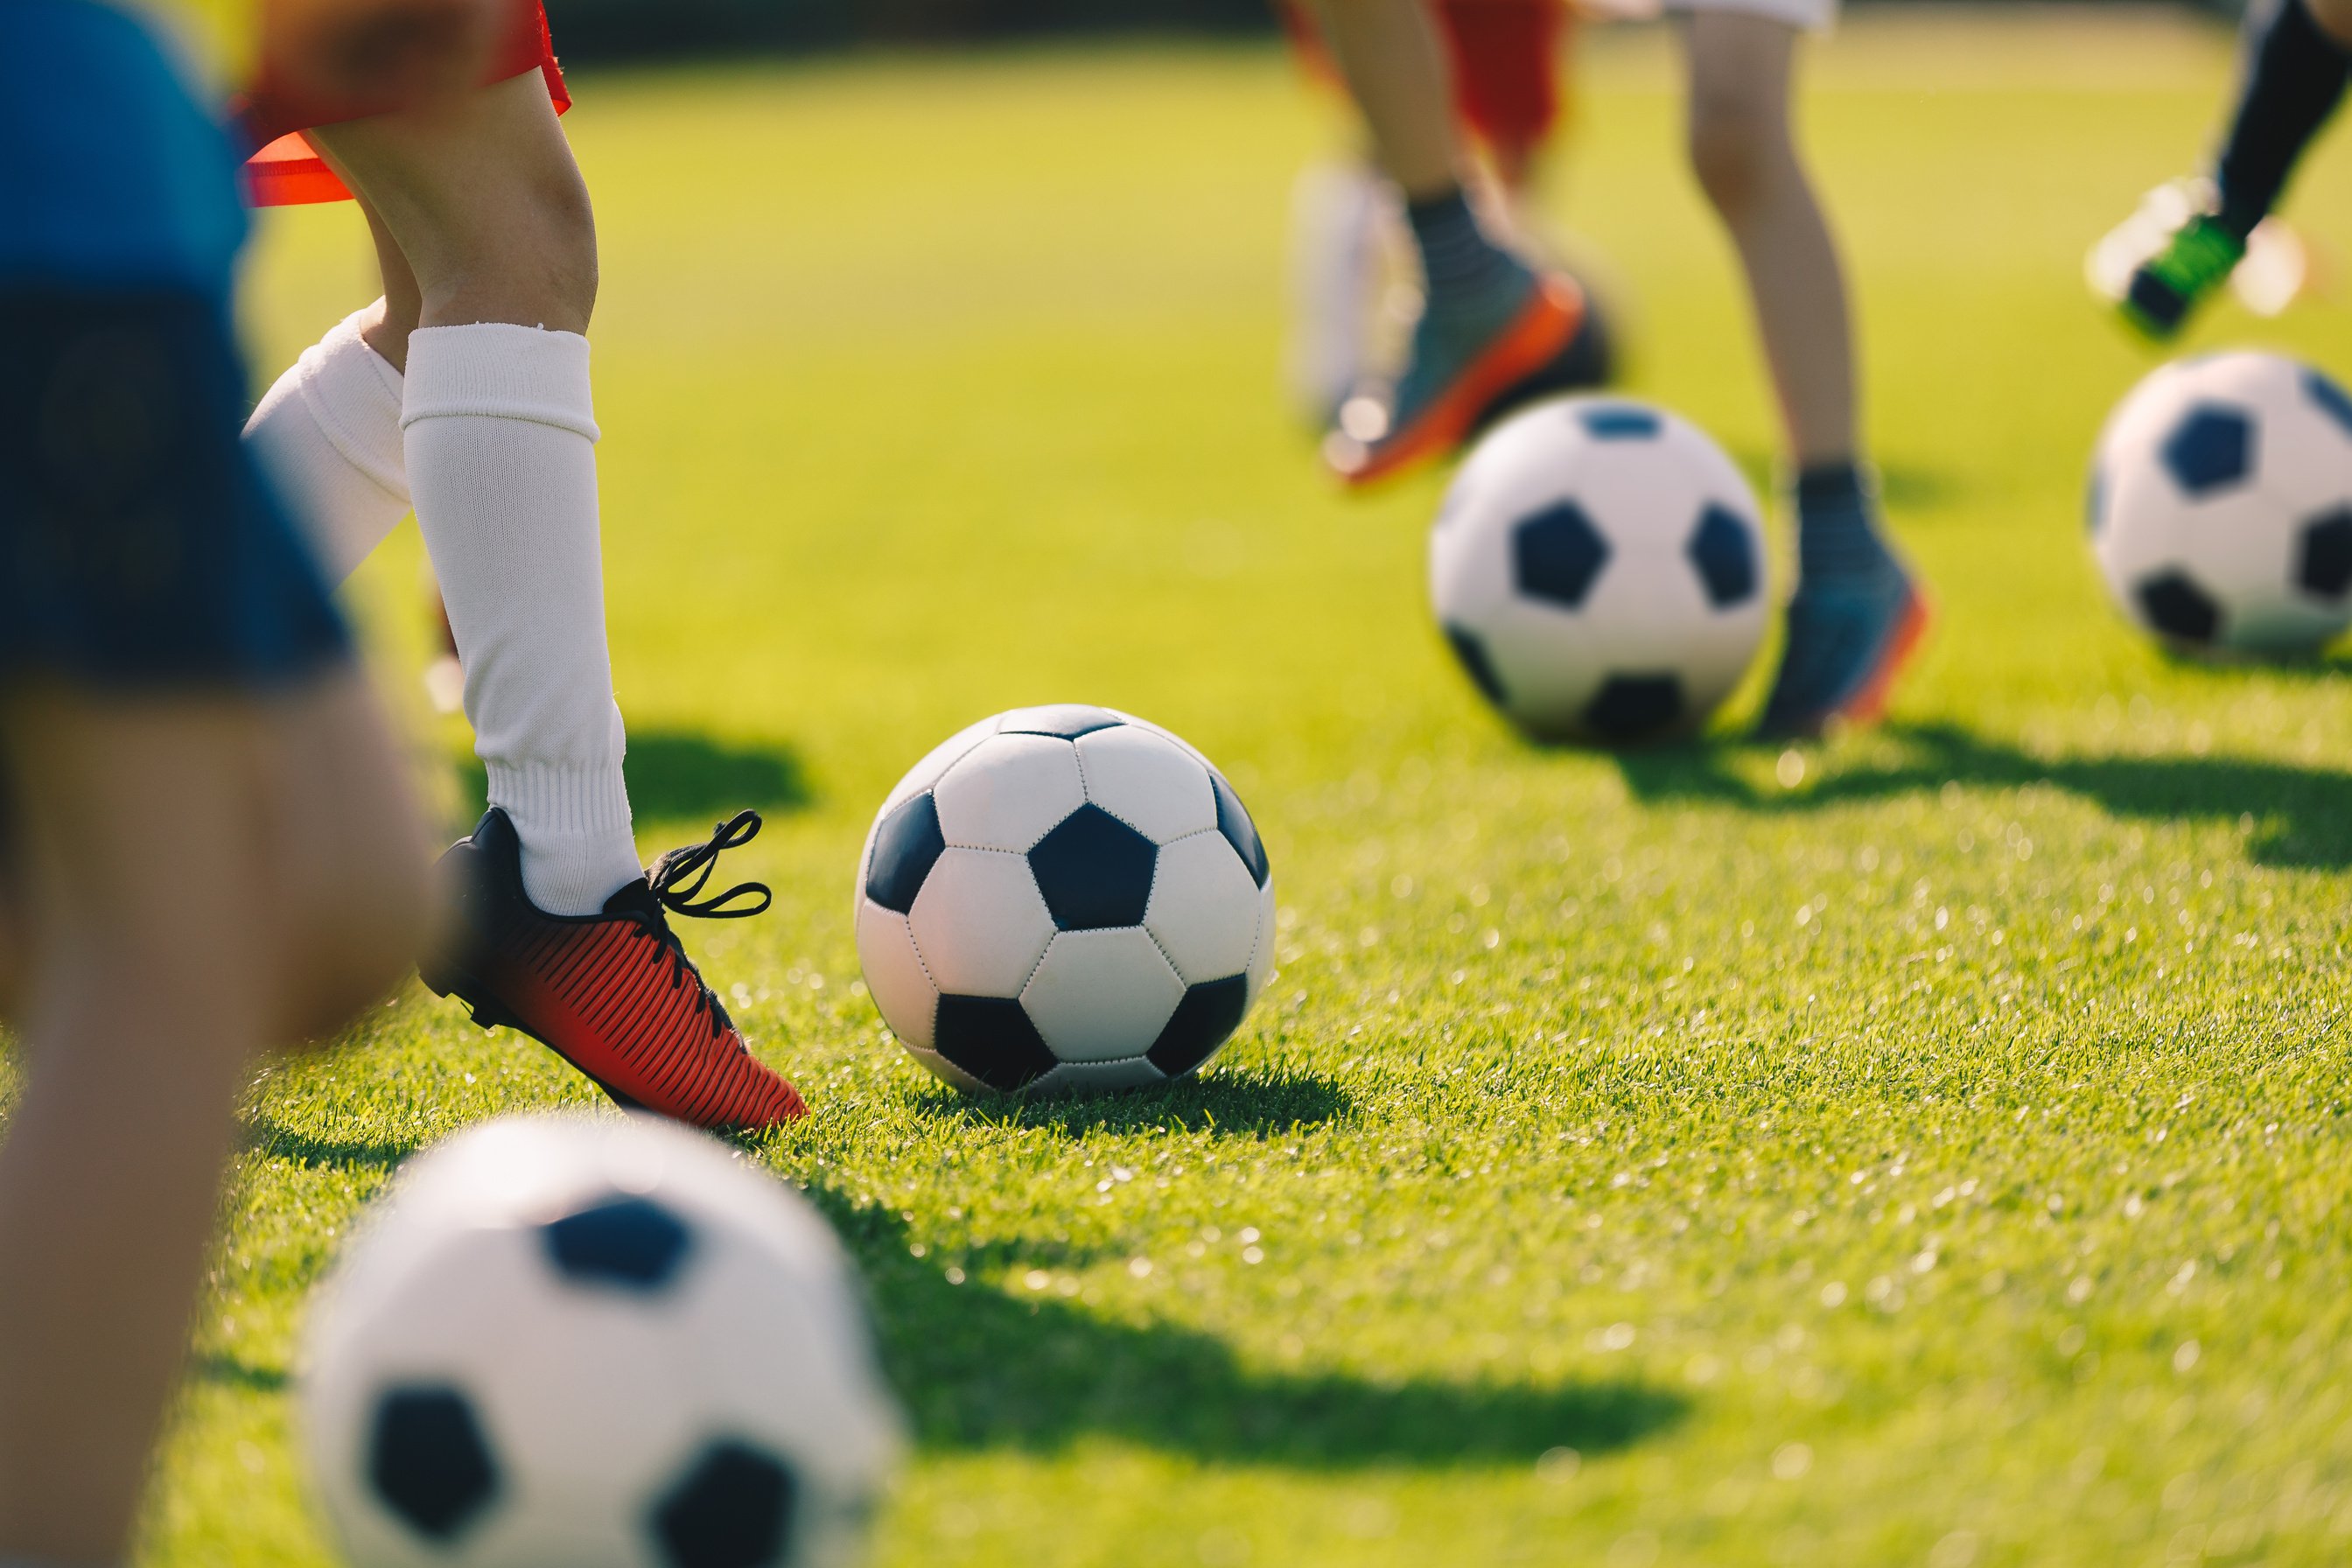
x=502, y=462
x=2295, y=76
x=329, y=432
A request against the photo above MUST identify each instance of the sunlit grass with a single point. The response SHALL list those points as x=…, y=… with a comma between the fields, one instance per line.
x=1930, y=1148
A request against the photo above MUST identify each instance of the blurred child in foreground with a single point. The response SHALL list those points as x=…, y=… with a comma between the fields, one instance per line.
x=206, y=849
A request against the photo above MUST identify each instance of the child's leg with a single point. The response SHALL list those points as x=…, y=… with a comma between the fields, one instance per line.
x=1855, y=617
x=2298, y=61
x=1489, y=323
x=487, y=213
x=485, y=206
x=1742, y=149
x=181, y=918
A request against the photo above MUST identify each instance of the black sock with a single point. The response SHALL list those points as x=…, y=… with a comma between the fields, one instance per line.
x=1837, y=522
x=2295, y=77
x=1459, y=264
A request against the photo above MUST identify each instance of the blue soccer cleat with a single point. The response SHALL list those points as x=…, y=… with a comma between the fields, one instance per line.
x=1849, y=636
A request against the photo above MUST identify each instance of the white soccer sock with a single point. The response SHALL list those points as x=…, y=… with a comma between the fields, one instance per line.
x=502, y=462
x=329, y=432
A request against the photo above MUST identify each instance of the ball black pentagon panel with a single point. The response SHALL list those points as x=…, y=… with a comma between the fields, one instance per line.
x=906, y=846
x=1618, y=422
x=1556, y=554
x=1472, y=652
x=1234, y=822
x=621, y=1243
x=2323, y=556
x=1724, y=553
x=1208, y=1012
x=1094, y=870
x=731, y=1509
x=991, y=1038
x=2210, y=449
x=1067, y=720
x=2331, y=399
x=2177, y=608
x=428, y=1461
x=1634, y=707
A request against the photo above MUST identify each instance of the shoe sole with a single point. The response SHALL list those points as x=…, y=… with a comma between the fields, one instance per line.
x=1868, y=703
x=1544, y=327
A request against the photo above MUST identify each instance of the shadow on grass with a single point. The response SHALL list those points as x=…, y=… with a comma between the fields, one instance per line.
x=2313, y=667
x=1244, y=1102
x=2303, y=817
x=981, y=1368
x=263, y=1136
x=680, y=773
x=220, y=1367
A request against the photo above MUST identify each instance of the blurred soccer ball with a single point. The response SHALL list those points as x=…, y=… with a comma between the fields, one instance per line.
x=2221, y=505
x=603, y=1343
x=1063, y=898
x=1599, y=569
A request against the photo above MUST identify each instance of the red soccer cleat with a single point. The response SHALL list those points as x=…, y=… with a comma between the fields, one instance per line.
x=613, y=993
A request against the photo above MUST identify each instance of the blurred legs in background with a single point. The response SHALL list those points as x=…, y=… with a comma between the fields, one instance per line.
x=1743, y=151
x=1353, y=294
x=1855, y=617
x=1490, y=324
x=2191, y=237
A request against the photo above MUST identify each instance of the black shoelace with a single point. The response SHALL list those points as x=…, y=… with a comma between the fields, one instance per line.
x=675, y=892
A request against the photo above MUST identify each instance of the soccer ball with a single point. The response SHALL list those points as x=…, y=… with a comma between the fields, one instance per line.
x=1063, y=898
x=1599, y=569
x=599, y=1342
x=2221, y=505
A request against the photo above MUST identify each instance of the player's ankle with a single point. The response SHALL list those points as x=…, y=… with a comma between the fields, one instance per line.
x=1837, y=522
x=575, y=827
x=1464, y=271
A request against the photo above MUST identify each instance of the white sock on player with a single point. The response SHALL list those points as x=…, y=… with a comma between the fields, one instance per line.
x=502, y=462
x=329, y=432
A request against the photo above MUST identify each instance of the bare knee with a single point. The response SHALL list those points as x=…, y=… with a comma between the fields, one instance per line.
x=1739, y=150
x=537, y=268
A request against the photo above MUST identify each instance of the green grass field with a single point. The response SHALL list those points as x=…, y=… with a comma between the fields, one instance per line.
x=1925, y=1149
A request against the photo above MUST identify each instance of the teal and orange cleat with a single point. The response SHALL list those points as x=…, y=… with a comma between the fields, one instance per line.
x=1466, y=367
x=1848, y=638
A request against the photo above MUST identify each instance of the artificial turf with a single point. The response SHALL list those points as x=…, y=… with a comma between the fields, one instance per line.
x=1928, y=1148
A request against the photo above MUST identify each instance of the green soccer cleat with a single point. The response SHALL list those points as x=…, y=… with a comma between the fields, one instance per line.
x=2196, y=261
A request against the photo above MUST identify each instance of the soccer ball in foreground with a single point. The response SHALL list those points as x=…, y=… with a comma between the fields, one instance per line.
x=601, y=1344
x=2221, y=505
x=1063, y=898
x=1599, y=569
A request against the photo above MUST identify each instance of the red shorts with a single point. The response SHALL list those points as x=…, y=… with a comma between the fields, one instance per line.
x=288, y=171
x=1505, y=55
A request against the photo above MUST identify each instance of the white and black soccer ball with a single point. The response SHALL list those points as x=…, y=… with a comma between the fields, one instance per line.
x=1063, y=898
x=599, y=1342
x=2221, y=505
x=1599, y=569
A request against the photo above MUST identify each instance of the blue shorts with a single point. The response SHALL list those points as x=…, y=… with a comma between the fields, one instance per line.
x=139, y=544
